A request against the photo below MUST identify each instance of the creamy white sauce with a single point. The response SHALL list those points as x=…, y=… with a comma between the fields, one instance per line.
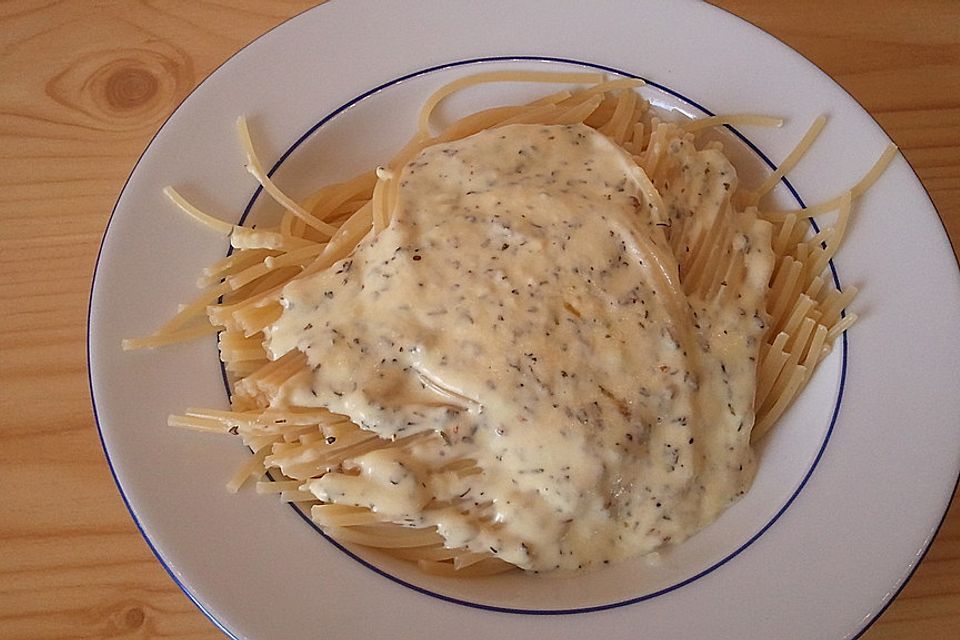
x=524, y=303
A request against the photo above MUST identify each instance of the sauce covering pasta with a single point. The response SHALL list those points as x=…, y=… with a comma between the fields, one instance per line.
x=525, y=303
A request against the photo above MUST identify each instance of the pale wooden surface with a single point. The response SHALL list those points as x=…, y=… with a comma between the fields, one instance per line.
x=83, y=87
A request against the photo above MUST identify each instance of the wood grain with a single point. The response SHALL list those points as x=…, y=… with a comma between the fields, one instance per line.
x=85, y=85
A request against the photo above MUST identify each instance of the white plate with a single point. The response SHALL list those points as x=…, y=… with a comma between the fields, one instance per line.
x=853, y=482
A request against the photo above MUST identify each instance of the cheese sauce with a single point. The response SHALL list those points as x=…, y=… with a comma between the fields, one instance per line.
x=525, y=305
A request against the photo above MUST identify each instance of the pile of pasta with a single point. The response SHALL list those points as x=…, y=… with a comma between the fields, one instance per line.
x=241, y=297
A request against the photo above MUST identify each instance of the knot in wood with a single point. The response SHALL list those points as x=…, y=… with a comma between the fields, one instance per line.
x=129, y=87
x=134, y=617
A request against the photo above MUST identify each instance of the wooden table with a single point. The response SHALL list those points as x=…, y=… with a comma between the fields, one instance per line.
x=83, y=87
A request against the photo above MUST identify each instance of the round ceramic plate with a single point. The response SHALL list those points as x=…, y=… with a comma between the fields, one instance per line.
x=852, y=484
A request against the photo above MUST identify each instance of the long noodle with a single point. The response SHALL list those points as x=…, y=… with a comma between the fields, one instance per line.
x=497, y=76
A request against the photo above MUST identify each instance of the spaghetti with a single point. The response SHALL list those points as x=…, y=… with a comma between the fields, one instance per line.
x=356, y=462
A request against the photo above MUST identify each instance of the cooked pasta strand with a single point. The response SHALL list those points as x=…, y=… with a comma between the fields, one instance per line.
x=497, y=76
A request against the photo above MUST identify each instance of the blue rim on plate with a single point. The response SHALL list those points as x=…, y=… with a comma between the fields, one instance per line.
x=567, y=61
x=276, y=166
